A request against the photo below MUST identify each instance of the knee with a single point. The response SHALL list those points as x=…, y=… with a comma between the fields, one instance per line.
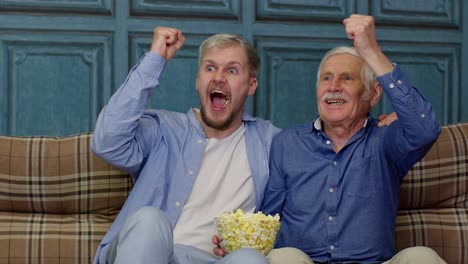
x=420, y=255
x=288, y=255
x=247, y=255
x=150, y=220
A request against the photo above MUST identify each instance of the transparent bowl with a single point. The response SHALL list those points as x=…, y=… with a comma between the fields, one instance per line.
x=253, y=230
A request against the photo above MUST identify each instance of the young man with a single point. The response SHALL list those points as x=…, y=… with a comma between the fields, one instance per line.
x=336, y=182
x=188, y=168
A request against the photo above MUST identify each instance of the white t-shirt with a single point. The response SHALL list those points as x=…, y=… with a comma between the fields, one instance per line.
x=223, y=184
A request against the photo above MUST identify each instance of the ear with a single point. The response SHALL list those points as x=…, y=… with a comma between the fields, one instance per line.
x=196, y=83
x=376, y=94
x=253, y=83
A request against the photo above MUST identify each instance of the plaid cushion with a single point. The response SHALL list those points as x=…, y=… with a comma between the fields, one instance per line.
x=50, y=238
x=434, y=198
x=57, y=199
x=444, y=230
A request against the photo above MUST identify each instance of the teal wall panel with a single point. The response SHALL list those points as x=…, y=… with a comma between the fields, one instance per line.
x=60, y=61
x=227, y=9
x=437, y=13
x=310, y=11
x=44, y=97
x=54, y=83
x=63, y=6
x=434, y=70
x=177, y=86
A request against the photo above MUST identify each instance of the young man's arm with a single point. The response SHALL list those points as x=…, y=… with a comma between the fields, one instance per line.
x=123, y=135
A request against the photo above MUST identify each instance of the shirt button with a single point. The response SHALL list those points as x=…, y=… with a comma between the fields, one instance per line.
x=199, y=141
x=332, y=247
x=423, y=115
x=328, y=142
x=334, y=163
x=399, y=81
x=330, y=218
x=177, y=204
x=392, y=85
x=190, y=172
x=330, y=190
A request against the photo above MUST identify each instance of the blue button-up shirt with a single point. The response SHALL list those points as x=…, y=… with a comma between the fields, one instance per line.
x=341, y=207
x=163, y=150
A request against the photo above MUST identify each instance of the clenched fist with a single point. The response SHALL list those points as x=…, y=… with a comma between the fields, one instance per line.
x=361, y=29
x=167, y=41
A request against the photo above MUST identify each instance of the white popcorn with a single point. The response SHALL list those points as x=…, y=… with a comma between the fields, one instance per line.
x=254, y=230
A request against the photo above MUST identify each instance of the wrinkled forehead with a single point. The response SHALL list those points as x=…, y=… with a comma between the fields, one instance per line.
x=342, y=62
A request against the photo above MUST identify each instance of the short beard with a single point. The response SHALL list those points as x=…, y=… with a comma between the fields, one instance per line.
x=217, y=125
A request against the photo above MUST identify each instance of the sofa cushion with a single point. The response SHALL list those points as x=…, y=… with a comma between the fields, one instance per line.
x=51, y=238
x=57, y=199
x=440, y=179
x=59, y=176
x=434, y=198
x=444, y=230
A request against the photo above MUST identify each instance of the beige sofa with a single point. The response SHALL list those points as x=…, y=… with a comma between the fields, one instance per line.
x=57, y=199
x=434, y=198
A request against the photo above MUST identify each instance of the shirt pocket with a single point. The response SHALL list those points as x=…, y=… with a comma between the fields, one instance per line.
x=360, y=178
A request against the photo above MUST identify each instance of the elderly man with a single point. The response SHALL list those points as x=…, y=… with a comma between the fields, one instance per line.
x=336, y=182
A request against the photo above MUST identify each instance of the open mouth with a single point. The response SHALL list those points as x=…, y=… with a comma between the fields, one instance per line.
x=335, y=101
x=218, y=99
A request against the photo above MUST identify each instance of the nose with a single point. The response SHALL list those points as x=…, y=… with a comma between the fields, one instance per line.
x=335, y=84
x=219, y=76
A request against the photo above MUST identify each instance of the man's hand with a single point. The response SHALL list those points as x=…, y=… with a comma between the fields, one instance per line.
x=361, y=30
x=386, y=120
x=167, y=41
x=218, y=250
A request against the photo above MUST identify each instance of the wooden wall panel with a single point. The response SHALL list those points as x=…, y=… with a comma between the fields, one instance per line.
x=227, y=9
x=53, y=82
x=437, y=13
x=305, y=11
x=50, y=50
x=104, y=7
x=177, y=86
x=434, y=70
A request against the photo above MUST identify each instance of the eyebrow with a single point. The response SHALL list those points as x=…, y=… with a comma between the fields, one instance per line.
x=229, y=63
x=340, y=74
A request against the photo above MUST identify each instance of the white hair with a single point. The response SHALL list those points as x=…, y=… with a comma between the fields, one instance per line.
x=368, y=77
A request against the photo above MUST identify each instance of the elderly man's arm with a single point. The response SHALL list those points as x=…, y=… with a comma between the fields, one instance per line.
x=417, y=128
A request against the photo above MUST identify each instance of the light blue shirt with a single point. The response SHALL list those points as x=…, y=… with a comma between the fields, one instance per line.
x=162, y=150
x=341, y=207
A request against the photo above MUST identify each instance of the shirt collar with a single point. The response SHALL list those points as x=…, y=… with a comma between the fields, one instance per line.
x=317, y=124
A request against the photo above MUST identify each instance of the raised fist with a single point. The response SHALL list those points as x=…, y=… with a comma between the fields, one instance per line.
x=167, y=41
x=361, y=29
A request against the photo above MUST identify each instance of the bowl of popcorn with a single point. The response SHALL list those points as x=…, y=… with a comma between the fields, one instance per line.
x=254, y=230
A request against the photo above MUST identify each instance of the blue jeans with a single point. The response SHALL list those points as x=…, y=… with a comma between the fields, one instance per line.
x=146, y=237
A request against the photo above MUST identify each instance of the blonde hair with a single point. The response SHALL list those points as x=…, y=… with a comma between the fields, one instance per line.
x=225, y=40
